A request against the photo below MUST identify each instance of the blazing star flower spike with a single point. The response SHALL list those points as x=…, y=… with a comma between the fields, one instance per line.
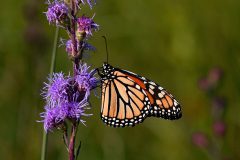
x=54, y=92
x=85, y=25
x=57, y=12
x=67, y=97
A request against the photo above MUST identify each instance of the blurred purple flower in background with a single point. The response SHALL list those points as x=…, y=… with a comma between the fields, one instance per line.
x=214, y=76
x=211, y=80
x=200, y=139
x=219, y=128
x=218, y=106
x=203, y=84
x=210, y=85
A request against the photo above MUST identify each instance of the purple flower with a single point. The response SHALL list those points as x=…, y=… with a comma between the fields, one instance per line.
x=57, y=12
x=215, y=74
x=204, y=84
x=55, y=91
x=84, y=45
x=69, y=46
x=66, y=97
x=86, y=25
x=90, y=2
x=218, y=106
x=200, y=139
x=85, y=80
x=87, y=46
x=219, y=128
x=52, y=117
x=211, y=80
x=75, y=110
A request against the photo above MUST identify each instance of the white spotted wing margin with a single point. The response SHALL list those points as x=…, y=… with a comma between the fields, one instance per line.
x=165, y=105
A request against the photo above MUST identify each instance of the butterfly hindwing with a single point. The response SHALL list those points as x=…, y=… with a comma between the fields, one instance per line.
x=163, y=104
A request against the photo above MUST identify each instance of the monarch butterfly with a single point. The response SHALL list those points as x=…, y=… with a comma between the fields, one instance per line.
x=128, y=99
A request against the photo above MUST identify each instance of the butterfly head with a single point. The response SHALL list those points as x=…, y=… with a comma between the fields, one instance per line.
x=106, y=71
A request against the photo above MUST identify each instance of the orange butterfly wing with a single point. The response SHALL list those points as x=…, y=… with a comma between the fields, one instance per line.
x=127, y=99
x=122, y=103
x=163, y=104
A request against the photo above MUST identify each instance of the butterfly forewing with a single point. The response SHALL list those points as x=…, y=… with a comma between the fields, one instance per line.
x=122, y=103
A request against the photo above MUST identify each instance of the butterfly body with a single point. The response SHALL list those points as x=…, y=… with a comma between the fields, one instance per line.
x=128, y=99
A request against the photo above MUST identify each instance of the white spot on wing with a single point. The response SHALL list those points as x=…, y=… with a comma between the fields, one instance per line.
x=175, y=103
x=151, y=86
x=138, y=87
x=159, y=87
x=151, y=91
x=163, y=93
x=160, y=95
x=152, y=83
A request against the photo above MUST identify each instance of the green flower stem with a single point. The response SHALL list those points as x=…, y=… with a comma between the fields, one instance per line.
x=44, y=145
x=52, y=68
x=54, y=51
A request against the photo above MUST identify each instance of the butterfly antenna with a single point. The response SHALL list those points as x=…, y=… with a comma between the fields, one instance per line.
x=106, y=46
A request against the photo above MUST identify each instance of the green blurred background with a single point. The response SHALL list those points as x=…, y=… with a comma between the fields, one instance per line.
x=174, y=43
